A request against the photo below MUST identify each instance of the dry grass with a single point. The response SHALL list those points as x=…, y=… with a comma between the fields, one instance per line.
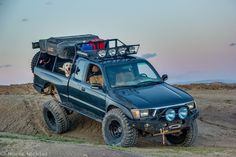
x=208, y=86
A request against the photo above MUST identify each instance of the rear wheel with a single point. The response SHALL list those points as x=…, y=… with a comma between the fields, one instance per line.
x=55, y=117
x=34, y=61
x=187, y=136
x=117, y=130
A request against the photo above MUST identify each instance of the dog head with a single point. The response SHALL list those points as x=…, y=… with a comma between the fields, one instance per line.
x=66, y=68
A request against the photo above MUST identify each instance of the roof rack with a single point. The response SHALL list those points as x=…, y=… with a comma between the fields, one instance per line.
x=88, y=46
x=101, y=49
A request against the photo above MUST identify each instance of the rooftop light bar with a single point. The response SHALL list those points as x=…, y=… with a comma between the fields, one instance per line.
x=106, y=48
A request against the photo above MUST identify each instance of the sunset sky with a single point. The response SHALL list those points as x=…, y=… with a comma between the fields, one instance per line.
x=190, y=40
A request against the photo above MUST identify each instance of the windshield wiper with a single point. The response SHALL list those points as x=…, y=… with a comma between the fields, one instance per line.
x=125, y=86
x=148, y=83
x=139, y=84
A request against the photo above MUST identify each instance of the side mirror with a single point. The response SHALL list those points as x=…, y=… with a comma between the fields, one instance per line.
x=77, y=70
x=164, y=77
x=96, y=86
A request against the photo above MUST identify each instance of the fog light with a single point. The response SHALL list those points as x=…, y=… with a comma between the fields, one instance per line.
x=183, y=112
x=170, y=115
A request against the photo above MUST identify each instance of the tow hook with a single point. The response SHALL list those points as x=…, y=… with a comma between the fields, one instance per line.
x=175, y=126
x=164, y=131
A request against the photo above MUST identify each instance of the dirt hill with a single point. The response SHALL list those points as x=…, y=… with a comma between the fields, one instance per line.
x=21, y=105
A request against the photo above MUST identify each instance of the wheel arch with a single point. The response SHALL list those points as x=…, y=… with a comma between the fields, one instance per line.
x=47, y=84
x=124, y=109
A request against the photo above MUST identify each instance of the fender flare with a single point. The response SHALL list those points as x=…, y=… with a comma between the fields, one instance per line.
x=117, y=105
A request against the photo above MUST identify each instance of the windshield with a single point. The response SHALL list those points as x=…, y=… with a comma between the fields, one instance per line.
x=132, y=74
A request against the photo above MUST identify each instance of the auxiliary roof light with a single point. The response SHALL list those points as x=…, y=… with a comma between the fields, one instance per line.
x=132, y=49
x=108, y=49
x=122, y=50
x=112, y=52
x=102, y=53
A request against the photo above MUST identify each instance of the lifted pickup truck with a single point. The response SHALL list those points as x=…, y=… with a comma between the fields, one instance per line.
x=103, y=80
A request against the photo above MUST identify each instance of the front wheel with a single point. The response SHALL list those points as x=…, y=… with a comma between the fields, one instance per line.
x=187, y=136
x=116, y=129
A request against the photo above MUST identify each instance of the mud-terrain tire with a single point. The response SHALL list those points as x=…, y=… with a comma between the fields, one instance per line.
x=55, y=117
x=186, y=138
x=116, y=129
x=34, y=61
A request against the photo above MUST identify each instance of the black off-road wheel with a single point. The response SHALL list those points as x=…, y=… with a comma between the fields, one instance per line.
x=187, y=136
x=34, y=61
x=116, y=129
x=55, y=117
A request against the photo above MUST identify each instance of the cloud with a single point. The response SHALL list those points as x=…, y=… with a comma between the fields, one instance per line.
x=232, y=44
x=5, y=66
x=48, y=3
x=149, y=55
x=24, y=20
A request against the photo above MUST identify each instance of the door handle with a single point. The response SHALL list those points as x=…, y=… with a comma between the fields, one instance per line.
x=82, y=89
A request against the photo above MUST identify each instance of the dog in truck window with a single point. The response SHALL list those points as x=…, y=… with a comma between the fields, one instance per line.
x=66, y=68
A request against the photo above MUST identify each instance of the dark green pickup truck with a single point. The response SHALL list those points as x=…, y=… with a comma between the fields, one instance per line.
x=104, y=80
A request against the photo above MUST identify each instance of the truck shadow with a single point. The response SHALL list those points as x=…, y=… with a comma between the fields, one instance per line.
x=91, y=131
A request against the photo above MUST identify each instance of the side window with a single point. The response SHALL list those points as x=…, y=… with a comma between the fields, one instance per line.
x=63, y=66
x=79, y=71
x=46, y=61
x=94, y=75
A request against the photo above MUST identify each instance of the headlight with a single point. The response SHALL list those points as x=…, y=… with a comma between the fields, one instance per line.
x=122, y=50
x=112, y=52
x=139, y=113
x=183, y=112
x=102, y=53
x=191, y=105
x=144, y=113
x=170, y=115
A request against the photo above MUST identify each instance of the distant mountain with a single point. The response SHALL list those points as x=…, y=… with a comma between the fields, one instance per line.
x=204, y=81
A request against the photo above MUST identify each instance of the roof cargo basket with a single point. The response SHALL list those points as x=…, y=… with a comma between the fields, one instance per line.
x=89, y=46
x=106, y=48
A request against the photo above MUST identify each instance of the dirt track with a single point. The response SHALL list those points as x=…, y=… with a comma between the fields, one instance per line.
x=20, y=108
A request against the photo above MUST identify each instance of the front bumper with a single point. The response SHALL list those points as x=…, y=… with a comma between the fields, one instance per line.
x=157, y=125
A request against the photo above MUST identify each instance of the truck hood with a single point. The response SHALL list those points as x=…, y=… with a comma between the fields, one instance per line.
x=159, y=95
